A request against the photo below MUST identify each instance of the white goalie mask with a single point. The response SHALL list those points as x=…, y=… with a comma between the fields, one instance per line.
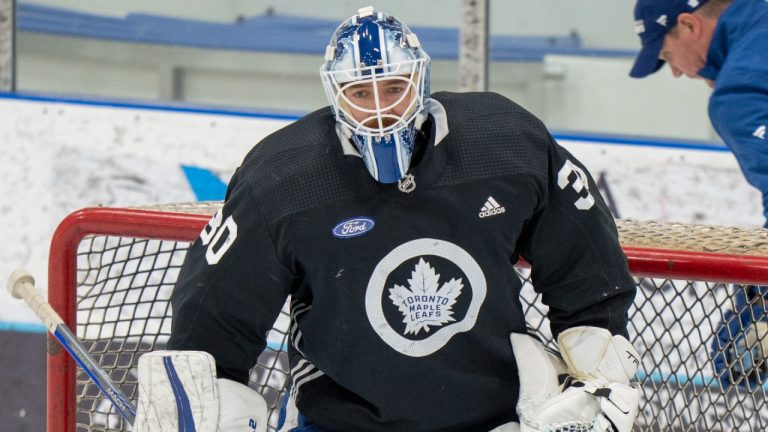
x=376, y=78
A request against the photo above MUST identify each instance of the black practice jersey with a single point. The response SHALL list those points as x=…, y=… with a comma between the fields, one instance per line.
x=402, y=298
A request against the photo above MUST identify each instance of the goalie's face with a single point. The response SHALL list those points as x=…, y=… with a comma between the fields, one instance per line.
x=376, y=78
x=379, y=107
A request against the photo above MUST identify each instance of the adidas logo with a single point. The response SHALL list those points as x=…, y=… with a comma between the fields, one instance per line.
x=759, y=132
x=491, y=208
x=662, y=20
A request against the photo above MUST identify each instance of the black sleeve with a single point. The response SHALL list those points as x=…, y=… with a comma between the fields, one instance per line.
x=231, y=288
x=572, y=245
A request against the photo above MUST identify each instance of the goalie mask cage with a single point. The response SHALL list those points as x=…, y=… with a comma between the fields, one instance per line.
x=112, y=270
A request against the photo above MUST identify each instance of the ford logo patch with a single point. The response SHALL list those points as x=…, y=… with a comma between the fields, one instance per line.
x=353, y=227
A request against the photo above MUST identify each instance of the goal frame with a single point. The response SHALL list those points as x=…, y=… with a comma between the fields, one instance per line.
x=175, y=226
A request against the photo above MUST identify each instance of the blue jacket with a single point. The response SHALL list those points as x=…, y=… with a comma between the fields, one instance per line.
x=737, y=62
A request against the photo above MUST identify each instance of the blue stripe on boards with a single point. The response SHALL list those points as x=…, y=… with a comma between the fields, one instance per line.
x=277, y=346
x=185, y=108
x=22, y=327
x=186, y=422
x=205, y=184
x=698, y=380
x=234, y=112
x=641, y=141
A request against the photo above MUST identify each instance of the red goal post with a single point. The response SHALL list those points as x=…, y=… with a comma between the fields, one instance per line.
x=63, y=282
x=683, y=274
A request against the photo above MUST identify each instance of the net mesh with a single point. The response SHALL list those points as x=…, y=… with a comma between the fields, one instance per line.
x=124, y=288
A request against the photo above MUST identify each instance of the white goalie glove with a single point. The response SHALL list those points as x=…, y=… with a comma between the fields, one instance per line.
x=179, y=391
x=597, y=396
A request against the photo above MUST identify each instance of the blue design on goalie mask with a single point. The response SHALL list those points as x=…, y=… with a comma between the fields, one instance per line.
x=376, y=78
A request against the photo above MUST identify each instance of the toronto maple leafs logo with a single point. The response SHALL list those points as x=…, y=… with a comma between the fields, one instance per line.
x=425, y=303
x=432, y=311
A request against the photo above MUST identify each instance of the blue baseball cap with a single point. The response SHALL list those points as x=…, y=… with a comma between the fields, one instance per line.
x=653, y=19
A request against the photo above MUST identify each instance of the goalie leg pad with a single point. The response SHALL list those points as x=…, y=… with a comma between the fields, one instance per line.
x=179, y=391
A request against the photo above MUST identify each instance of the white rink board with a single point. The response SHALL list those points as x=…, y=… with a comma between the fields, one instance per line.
x=673, y=184
x=60, y=156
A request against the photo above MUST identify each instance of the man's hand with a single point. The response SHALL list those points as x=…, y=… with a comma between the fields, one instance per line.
x=740, y=347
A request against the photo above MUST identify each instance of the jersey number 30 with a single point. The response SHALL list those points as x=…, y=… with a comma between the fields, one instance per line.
x=580, y=183
x=218, y=237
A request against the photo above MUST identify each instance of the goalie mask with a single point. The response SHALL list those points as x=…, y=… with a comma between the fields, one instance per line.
x=376, y=79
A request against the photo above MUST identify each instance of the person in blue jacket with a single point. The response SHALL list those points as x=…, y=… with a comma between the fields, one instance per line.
x=725, y=44
x=722, y=42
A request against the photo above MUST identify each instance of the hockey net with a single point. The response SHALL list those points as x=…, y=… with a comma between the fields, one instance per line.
x=112, y=271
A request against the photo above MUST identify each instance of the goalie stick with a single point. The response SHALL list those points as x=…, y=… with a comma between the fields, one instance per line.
x=21, y=284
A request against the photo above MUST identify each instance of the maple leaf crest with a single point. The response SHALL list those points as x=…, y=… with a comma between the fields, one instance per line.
x=423, y=304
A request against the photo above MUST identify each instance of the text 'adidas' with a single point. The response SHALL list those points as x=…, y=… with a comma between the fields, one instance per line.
x=491, y=208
